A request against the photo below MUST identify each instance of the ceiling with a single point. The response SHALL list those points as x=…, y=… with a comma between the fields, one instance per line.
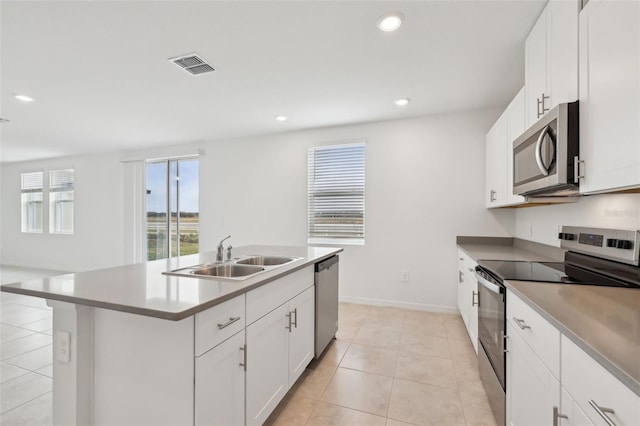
x=101, y=79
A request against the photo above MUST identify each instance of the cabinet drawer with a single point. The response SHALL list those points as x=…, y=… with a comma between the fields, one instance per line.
x=265, y=299
x=586, y=380
x=217, y=324
x=536, y=331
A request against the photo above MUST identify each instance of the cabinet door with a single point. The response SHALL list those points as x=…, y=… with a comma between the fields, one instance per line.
x=301, y=336
x=532, y=391
x=473, y=309
x=562, y=51
x=496, y=163
x=267, y=364
x=515, y=128
x=610, y=95
x=220, y=384
x=535, y=68
x=463, y=285
x=574, y=416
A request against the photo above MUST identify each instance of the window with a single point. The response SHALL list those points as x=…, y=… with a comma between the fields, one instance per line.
x=336, y=194
x=61, y=201
x=31, y=201
x=172, y=208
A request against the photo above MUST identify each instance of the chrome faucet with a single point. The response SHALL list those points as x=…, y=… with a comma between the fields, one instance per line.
x=220, y=248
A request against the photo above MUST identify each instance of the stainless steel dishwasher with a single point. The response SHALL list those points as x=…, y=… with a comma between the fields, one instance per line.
x=326, y=279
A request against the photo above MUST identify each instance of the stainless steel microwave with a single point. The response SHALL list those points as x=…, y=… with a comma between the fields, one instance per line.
x=545, y=157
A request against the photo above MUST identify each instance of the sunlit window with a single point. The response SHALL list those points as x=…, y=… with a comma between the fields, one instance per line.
x=31, y=201
x=61, y=201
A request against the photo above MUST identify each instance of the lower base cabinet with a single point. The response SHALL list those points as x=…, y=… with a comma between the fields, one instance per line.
x=219, y=387
x=532, y=391
x=279, y=347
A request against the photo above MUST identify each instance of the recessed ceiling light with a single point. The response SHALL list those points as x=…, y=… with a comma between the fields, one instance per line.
x=402, y=101
x=23, y=98
x=281, y=117
x=390, y=21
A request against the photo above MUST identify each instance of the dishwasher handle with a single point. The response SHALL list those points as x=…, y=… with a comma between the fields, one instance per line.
x=326, y=264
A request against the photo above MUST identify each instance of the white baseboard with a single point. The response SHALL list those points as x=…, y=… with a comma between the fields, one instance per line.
x=399, y=304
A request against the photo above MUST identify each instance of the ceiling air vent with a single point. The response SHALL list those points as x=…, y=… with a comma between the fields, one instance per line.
x=193, y=64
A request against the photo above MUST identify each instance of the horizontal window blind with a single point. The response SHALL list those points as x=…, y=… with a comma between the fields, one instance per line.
x=32, y=181
x=61, y=180
x=336, y=192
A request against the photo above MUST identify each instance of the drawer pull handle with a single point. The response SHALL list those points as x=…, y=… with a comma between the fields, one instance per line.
x=228, y=323
x=603, y=412
x=244, y=356
x=295, y=321
x=557, y=415
x=289, y=327
x=523, y=325
x=473, y=298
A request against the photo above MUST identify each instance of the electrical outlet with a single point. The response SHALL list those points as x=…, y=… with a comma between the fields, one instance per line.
x=63, y=346
x=405, y=276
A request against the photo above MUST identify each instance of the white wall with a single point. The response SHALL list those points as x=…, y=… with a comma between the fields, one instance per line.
x=98, y=238
x=424, y=186
x=541, y=224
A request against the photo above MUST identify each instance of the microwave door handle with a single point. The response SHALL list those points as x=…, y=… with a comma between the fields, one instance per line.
x=489, y=286
x=543, y=169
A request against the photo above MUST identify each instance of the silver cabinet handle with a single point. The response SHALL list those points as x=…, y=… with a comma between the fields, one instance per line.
x=288, y=327
x=228, y=323
x=295, y=314
x=602, y=411
x=460, y=277
x=473, y=298
x=541, y=108
x=244, y=356
x=523, y=325
x=557, y=415
x=576, y=169
x=493, y=195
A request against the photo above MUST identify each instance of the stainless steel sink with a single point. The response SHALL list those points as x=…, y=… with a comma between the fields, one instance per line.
x=266, y=260
x=229, y=270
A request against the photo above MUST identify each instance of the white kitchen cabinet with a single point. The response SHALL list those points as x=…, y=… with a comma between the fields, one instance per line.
x=515, y=128
x=592, y=385
x=496, y=163
x=570, y=413
x=532, y=390
x=219, y=387
x=499, y=155
x=301, y=333
x=267, y=364
x=468, y=296
x=551, y=59
x=610, y=96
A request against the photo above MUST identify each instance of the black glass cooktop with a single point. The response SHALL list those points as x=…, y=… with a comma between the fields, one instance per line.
x=550, y=272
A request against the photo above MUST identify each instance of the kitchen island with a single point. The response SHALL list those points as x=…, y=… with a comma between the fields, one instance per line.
x=134, y=346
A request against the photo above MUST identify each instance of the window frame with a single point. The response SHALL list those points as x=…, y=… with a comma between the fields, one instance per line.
x=358, y=180
x=24, y=215
x=52, y=203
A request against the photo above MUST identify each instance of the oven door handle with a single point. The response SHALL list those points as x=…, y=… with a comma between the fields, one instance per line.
x=489, y=286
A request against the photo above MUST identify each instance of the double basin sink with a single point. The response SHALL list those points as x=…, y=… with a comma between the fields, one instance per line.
x=240, y=269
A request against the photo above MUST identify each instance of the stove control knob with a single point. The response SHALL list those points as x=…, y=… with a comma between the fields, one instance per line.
x=624, y=244
x=565, y=236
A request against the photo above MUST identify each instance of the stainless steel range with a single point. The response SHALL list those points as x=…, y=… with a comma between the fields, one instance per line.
x=595, y=256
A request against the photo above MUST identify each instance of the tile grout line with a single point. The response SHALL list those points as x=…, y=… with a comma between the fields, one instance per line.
x=24, y=403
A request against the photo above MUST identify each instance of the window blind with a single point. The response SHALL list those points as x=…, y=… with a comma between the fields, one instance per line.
x=336, y=190
x=32, y=182
x=61, y=180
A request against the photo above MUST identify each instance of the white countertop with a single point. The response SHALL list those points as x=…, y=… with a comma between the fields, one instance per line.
x=142, y=288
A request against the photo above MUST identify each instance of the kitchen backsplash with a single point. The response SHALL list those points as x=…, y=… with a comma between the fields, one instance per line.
x=541, y=224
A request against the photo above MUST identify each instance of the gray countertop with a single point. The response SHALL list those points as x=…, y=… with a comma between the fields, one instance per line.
x=603, y=321
x=142, y=288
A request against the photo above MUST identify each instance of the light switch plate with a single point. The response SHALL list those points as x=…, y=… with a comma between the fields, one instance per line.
x=63, y=346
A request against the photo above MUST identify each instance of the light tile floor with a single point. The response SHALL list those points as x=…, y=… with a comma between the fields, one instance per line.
x=387, y=366
x=391, y=367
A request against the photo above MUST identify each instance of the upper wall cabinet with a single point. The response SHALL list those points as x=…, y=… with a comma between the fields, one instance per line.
x=610, y=96
x=499, y=155
x=551, y=59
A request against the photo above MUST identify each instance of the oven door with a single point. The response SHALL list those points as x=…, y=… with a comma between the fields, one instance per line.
x=491, y=324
